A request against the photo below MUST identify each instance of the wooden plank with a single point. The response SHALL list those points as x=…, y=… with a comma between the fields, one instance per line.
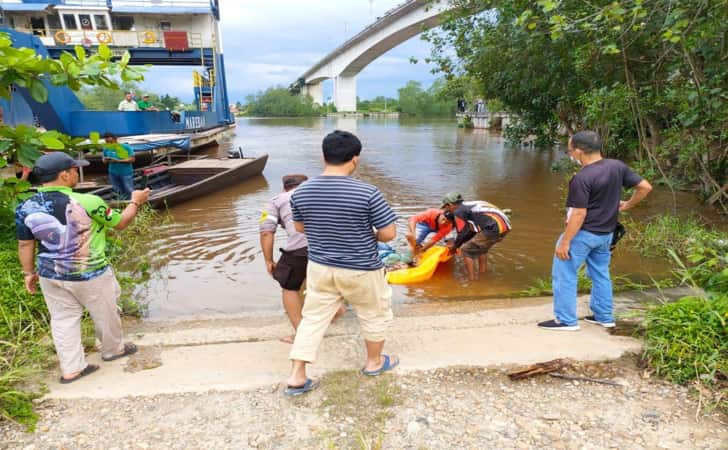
x=212, y=164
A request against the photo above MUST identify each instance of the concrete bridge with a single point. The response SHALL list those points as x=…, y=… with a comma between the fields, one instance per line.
x=343, y=64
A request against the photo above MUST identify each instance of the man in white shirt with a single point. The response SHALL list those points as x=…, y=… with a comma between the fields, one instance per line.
x=128, y=104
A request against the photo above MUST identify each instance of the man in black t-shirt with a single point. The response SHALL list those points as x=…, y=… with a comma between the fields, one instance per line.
x=593, y=202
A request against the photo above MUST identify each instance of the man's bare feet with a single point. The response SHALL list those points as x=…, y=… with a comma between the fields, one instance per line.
x=288, y=339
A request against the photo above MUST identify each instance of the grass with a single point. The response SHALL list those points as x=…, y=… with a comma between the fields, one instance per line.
x=661, y=234
x=543, y=287
x=129, y=254
x=686, y=342
x=366, y=401
x=26, y=348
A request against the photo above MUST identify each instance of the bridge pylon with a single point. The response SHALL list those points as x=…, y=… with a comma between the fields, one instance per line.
x=345, y=62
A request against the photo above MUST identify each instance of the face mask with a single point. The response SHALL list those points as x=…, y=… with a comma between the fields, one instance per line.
x=574, y=160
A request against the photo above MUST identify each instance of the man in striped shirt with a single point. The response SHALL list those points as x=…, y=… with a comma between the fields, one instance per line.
x=343, y=218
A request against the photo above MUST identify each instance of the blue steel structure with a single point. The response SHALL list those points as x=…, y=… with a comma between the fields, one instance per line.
x=64, y=111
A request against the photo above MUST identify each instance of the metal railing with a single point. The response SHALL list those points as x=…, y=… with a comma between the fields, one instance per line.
x=113, y=38
x=168, y=3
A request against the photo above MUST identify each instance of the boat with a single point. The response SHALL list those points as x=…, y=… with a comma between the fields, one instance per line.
x=155, y=32
x=177, y=183
x=423, y=271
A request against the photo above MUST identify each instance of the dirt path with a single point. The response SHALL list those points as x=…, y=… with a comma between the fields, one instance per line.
x=215, y=384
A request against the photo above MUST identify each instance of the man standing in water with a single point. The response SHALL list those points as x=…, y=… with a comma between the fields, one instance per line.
x=343, y=219
x=480, y=225
x=593, y=204
x=73, y=268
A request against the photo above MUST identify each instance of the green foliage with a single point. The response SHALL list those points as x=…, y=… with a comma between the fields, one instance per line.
x=127, y=251
x=378, y=105
x=650, y=77
x=24, y=343
x=688, y=340
x=24, y=68
x=416, y=101
x=279, y=102
x=659, y=235
x=104, y=98
x=543, y=286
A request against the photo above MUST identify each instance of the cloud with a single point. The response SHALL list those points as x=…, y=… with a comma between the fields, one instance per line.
x=272, y=43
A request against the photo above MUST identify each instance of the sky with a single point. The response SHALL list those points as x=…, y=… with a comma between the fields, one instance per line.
x=269, y=43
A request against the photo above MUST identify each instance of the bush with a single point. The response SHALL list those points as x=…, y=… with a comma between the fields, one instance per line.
x=279, y=102
x=688, y=340
x=24, y=344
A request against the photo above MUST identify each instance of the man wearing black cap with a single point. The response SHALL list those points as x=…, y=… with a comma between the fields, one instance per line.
x=290, y=270
x=72, y=266
x=479, y=225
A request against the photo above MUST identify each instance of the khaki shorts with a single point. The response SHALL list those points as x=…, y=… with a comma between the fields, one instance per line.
x=327, y=288
x=480, y=244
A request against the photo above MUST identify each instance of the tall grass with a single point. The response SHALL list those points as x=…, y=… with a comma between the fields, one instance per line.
x=659, y=235
x=687, y=341
x=24, y=345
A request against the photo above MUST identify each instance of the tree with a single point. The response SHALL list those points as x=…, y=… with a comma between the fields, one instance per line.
x=434, y=101
x=279, y=102
x=650, y=76
x=22, y=67
x=102, y=98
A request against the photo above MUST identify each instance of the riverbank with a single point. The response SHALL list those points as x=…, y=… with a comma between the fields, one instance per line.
x=215, y=383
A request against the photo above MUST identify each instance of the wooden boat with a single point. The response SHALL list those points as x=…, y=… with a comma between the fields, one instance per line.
x=174, y=184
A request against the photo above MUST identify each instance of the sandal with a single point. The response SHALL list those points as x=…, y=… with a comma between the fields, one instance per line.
x=129, y=349
x=387, y=366
x=293, y=391
x=88, y=370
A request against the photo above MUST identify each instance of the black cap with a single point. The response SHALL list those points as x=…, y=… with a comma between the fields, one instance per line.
x=291, y=181
x=48, y=166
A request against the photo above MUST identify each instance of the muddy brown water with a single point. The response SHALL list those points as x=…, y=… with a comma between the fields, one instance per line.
x=210, y=256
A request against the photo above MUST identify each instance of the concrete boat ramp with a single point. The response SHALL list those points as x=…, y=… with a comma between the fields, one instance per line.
x=244, y=353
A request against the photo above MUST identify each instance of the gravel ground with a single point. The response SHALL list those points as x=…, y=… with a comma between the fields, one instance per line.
x=456, y=408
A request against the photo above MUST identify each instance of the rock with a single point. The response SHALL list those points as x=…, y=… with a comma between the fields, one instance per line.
x=413, y=427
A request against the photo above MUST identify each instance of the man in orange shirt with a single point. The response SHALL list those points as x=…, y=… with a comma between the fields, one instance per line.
x=431, y=221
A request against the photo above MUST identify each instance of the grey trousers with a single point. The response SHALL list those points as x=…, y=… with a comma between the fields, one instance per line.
x=66, y=301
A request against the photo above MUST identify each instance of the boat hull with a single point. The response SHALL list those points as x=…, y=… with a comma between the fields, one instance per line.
x=209, y=185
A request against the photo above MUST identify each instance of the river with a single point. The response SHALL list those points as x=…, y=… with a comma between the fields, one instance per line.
x=210, y=259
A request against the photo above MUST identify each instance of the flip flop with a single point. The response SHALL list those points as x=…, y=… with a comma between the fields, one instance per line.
x=388, y=365
x=129, y=349
x=293, y=391
x=88, y=370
